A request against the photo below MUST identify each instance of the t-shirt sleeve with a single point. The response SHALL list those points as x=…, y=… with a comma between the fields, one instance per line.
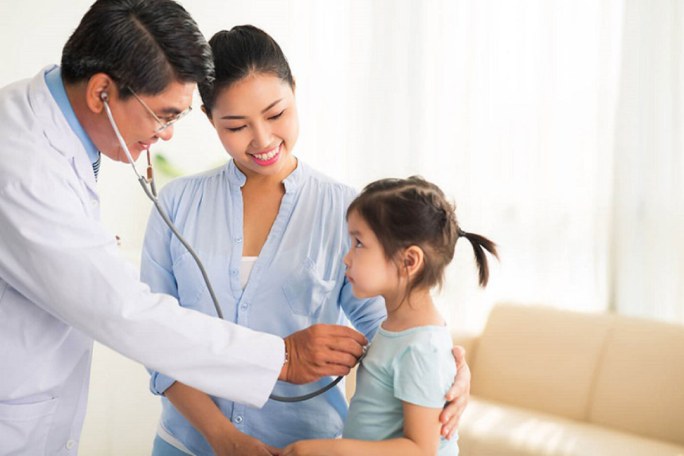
x=423, y=374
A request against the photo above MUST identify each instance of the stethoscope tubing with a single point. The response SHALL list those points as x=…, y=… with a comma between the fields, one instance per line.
x=149, y=188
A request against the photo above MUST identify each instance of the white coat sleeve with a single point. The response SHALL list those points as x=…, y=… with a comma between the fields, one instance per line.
x=54, y=254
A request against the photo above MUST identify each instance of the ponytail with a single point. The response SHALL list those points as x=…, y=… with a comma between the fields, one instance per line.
x=480, y=244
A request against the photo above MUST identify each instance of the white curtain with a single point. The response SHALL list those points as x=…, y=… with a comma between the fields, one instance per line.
x=648, y=222
x=509, y=106
x=556, y=126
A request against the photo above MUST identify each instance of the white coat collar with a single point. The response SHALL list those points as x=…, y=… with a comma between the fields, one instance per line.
x=57, y=130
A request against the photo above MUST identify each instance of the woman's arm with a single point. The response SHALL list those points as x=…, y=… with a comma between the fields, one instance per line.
x=224, y=438
x=421, y=438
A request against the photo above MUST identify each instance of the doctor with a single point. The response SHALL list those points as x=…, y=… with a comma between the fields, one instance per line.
x=62, y=281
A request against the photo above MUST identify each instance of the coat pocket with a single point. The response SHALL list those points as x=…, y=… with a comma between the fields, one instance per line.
x=24, y=427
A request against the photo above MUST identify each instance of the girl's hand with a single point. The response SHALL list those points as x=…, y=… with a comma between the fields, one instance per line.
x=305, y=448
x=457, y=396
x=240, y=444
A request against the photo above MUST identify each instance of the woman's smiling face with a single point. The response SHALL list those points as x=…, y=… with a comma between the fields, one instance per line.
x=257, y=123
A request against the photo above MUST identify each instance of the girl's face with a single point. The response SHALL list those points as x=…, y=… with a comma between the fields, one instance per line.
x=370, y=273
x=256, y=120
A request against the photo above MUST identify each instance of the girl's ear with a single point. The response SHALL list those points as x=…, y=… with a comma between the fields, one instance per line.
x=413, y=260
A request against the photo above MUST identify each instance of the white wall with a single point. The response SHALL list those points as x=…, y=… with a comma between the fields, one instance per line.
x=122, y=414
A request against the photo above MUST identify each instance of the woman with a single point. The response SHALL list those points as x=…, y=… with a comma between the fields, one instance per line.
x=271, y=232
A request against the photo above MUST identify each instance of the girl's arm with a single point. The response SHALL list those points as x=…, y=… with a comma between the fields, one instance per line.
x=421, y=438
x=205, y=416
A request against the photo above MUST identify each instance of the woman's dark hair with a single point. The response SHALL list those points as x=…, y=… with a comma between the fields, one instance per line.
x=242, y=51
x=413, y=211
x=143, y=45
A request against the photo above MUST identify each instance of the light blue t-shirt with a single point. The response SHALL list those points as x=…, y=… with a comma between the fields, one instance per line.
x=415, y=366
x=297, y=280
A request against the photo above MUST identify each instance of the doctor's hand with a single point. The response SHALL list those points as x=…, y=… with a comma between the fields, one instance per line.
x=457, y=396
x=319, y=351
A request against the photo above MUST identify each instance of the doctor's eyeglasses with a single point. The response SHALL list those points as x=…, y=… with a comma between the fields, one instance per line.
x=163, y=124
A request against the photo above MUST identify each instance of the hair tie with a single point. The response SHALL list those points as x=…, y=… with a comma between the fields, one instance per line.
x=461, y=233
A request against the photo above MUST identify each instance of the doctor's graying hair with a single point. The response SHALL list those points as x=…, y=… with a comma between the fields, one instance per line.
x=143, y=45
x=407, y=212
x=238, y=53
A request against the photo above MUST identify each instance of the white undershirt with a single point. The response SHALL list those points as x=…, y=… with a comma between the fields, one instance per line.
x=246, y=265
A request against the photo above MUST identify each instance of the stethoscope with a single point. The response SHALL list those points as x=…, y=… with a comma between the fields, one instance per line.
x=148, y=186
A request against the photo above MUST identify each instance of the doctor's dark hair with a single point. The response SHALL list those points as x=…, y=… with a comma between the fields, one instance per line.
x=244, y=50
x=143, y=45
x=407, y=212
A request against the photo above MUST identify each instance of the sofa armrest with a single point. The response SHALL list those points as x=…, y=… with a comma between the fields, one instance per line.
x=468, y=341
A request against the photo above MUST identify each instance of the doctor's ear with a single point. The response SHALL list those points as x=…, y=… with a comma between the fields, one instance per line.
x=99, y=88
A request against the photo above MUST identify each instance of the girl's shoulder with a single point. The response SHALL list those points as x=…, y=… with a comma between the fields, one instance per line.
x=424, y=367
x=428, y=336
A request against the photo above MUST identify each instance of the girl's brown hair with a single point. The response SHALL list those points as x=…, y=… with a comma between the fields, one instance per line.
x=413, y=211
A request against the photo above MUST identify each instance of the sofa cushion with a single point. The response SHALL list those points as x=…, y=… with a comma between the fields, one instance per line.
x=539, y=358
x=493, y=429
x=640, y=381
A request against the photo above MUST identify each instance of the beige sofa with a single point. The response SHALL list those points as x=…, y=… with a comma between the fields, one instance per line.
x=551, y=382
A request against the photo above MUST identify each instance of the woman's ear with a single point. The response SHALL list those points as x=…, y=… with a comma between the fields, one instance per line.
x=206, y=112
x=413, y=260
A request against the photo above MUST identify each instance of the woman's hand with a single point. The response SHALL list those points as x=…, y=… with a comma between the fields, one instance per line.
x=198, y=408
x=457, y=396
x=240, y=444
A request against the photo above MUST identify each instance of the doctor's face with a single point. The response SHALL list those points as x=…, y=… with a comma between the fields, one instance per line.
x=139, y=119
x=256, y=120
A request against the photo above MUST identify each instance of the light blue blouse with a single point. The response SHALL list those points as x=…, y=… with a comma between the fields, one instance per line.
x=298, y=280
x=414, y=366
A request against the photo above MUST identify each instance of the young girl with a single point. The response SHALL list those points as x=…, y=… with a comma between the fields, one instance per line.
x=403, y=234
x=271, y=233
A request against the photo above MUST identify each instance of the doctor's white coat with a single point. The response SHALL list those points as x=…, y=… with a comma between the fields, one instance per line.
x=63, y=284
